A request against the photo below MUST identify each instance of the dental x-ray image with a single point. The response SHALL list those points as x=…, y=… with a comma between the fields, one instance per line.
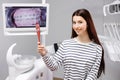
x=23, y=17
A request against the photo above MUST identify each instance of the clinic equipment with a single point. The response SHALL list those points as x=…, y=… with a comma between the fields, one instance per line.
x=112, y=43
x=26, y=67
x=21, y=18
x=112, y=8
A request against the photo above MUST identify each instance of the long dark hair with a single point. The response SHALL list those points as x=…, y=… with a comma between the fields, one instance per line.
x=92, y=34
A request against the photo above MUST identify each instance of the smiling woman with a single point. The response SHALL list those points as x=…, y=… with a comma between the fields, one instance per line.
x=91, y=33
x=82, y=55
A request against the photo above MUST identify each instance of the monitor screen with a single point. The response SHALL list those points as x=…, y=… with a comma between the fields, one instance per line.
x=21, y=18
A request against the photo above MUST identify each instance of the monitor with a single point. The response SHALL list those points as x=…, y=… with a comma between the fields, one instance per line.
x=21, y=18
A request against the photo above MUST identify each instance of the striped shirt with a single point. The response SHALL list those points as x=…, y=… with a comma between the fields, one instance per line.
x=81, y=61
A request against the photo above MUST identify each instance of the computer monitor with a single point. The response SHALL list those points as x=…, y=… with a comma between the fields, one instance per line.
x=21, y=18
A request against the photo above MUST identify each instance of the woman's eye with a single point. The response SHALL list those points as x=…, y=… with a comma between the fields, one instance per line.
x=80, y=22
x=74, y=22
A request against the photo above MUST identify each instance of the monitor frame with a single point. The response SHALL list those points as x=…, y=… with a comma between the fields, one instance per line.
x=24, y=31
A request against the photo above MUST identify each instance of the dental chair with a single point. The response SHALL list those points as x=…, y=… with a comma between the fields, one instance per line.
x=22, y=67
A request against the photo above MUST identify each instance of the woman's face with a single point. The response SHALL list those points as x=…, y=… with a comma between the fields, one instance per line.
x=79, y=25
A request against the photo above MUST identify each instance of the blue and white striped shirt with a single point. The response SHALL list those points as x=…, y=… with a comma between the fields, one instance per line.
x=81, y=61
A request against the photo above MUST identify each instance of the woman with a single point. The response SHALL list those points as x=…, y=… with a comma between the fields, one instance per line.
x=82, y=56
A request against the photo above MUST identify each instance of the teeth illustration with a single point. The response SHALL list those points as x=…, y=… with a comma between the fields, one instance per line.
x=27, y=16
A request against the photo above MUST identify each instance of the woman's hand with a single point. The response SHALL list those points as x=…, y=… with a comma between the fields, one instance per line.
x=41, y=49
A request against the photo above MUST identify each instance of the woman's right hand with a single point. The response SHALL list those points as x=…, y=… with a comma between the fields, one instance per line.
x=41, y=49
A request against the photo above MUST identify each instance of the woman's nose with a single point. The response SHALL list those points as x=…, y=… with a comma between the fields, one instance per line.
x=77, y=25
x=78, y=28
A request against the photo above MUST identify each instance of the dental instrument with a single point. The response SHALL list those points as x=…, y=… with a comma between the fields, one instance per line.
x=113, y=29
x=117, y=30
x=112, y=44
x=109, y=31
x=38, y=31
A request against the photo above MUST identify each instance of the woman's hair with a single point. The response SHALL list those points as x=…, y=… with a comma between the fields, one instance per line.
x=91, y=32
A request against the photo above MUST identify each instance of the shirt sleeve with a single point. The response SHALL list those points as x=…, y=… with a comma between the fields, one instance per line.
x=92, y=75
x=55, y=60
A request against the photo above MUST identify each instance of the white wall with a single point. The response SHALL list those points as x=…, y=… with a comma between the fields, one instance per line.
x=59, y=29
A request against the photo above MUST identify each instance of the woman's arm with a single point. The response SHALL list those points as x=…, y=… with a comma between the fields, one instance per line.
x=54, y=61
x=92, y=75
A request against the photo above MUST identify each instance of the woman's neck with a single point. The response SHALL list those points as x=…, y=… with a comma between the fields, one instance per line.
x=83, y=38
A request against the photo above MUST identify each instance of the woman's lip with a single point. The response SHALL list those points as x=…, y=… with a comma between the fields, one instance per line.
x=77, y=31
